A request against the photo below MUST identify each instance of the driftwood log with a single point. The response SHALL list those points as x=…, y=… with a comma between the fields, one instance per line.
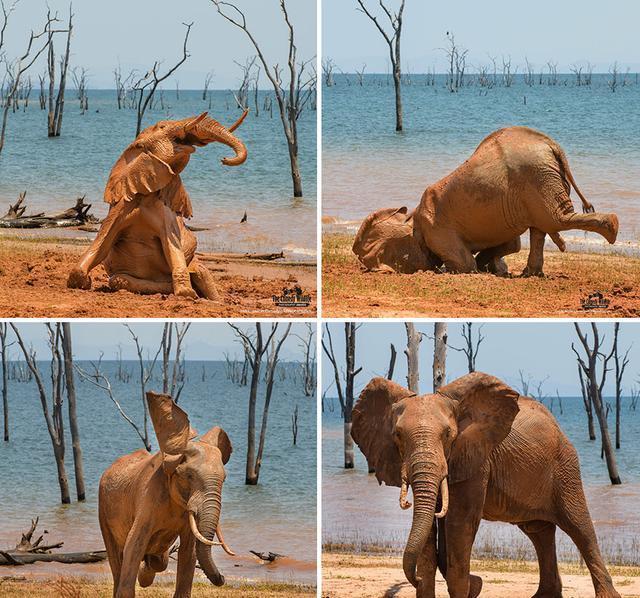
x=265, y=257
x=28, y=551
x=78, y=215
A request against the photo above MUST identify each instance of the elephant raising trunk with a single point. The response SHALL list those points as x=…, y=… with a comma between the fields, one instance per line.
x=425, y=485
x=207, y=519
x=204, y=129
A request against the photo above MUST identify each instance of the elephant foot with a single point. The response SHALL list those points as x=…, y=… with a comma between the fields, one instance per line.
x=203, y=282
x=548, y=594
x=528, y=272
x=182, y=285
x=78, y=280
x=186, y=292
x=125, y=282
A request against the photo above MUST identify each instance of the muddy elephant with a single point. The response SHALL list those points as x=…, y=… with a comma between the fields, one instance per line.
x=147, y=501
x=143, y=242
x=476, y=450
x=517, y=179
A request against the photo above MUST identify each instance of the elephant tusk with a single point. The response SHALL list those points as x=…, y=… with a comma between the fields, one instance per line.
x=404, y=503
x=223, y=543
x=444, y=492
x=197, y=534
x=236, y=124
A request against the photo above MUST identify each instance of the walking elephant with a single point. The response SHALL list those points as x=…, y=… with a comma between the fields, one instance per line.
x=147, y=501
x=517, y=179
x=476, y=450
x=143, y=242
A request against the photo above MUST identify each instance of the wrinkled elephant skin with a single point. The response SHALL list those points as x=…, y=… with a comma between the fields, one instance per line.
x=476, y=450
x=143, y=242
x=147, y=501
x=517, y=179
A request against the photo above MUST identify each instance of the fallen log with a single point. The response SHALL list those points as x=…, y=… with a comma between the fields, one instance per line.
x=211, y=257
x=77, y=215
x=17, y=559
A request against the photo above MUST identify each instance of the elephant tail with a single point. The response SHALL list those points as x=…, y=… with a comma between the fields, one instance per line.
x=587, y=207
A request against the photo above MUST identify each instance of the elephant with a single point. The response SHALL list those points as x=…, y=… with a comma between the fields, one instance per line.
x=146, y=501
x=517, y=179
x=143, y=242
x=473, y=450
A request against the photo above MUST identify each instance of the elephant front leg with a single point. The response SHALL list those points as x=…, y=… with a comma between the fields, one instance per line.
x=98, y=250
x=186, y=565
x=427, y=565
x=536, y=253
x=133, y=553
x=174, y=254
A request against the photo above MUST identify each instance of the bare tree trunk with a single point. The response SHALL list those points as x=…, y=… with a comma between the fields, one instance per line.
x=350, y=355
x=5, y=381
x=439, y=355
x=588, y=406
x=412, y=353
x=73, y=416
x=392, y=363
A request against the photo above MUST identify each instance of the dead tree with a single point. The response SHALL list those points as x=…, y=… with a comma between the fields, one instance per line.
x=205, y=87
x=360, y=75
x=412, y=353
x=553, y=73
x=588, y=405
x=457, y=58
x=259, y=347
x=80, y=81
x=56, y=107
x=69, y=381
x=292, y=95
x=393, y=41
x=309, y=365
x=346, y=398
x=507, y=75
x=577, y=71
x=173, y=382
x=328, y=66
x=595, y=384
x=439, y=354
x=145, y=87
x=21, y=65
x=294, y=425
x=53, y=418
x=392, y=363
x=5, y=380
x=122, y=86
x=529, y=75
x=621, y=363
x=242, y=95
x=471, y=346
x=613, y=81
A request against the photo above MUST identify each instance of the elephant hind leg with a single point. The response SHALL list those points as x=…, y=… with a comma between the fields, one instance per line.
x=604, y=224
x=490, y=260
x=543, y=536
x=126, y=282
x=202, y=280
x=536, y=253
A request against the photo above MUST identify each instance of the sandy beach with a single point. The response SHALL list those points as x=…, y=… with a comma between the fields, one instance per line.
x=348, y=291
x=347, y=575
x=34, y=269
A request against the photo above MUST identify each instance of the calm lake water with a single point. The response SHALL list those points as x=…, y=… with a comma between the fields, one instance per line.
x=367, y=165
x=56, y=171
x=355, y=509
x=278, y=515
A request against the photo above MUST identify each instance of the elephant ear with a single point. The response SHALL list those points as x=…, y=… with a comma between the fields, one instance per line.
x=170, y=423
x=218, y=437
x=486, y=408
x=137, y=172
x=373, y=428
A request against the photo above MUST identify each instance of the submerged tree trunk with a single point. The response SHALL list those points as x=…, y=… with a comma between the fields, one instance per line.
x=5, y=390
x=73, y=416
x=350, y=355
x=413, y=361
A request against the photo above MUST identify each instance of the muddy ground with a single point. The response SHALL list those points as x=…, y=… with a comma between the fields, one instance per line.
x=350, y=576
x=348, y=291
x=33, y=274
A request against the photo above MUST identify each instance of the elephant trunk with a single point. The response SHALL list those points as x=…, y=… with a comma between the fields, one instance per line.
x=214, y=131
x=425, y=486
x=207, y=519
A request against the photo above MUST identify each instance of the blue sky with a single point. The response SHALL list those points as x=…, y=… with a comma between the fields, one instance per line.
x=204, y=341
x=565, y=32
x=140, y=31
x=540, y=349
